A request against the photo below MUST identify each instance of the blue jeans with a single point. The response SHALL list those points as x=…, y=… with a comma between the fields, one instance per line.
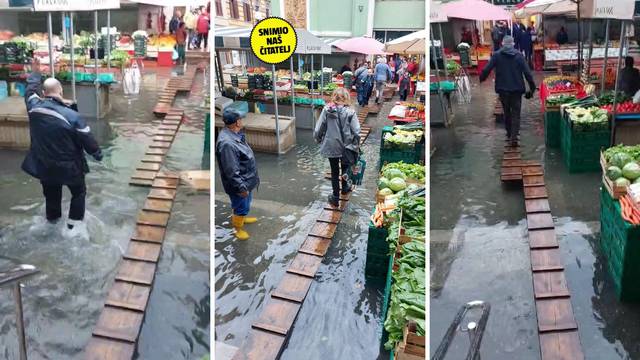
x=240, y=205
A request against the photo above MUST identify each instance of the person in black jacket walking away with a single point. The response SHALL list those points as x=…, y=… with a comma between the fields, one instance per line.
x=238, y=170
x=511, y=70
x=59, y=139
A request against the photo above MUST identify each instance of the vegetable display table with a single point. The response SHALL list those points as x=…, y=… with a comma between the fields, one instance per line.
x=14, y=124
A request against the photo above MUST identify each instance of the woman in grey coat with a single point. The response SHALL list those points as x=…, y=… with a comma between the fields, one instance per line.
x=338, y=131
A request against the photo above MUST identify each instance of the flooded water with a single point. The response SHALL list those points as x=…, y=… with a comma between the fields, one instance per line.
x=63, y=303
x=341, y=301
x=479, y=246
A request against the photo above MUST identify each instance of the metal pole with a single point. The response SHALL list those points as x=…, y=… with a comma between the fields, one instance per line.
x=322, y=76
x=444, y=59
x=299, y=67
x=435, y=63
x=64, y=27
x=275, y=103
x=313, y=114
x=606, y=58
x=50, y=29
x=109, y=40
x=73, y=64
x=95, y=53
x=613, y=116
x=20, y=321
x=293, y=94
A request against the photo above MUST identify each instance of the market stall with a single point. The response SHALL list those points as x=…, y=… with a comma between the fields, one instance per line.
x=411, y=44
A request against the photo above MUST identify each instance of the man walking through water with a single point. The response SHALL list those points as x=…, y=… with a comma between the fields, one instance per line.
x=238, y=170
x=59, y=138
x=511, y=69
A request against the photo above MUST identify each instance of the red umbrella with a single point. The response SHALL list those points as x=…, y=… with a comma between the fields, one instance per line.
x=361, y=45
x=522, y=4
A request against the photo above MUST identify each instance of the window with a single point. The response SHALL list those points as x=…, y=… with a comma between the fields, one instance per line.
x=233, y=6
x=268, y=12
x=247, y=12
x=219, y=8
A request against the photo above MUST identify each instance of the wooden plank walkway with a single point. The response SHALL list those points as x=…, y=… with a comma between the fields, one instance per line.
x=175, y=85
x=557, y=327
x=151, y=163
x=116, y=333
x=269, y=332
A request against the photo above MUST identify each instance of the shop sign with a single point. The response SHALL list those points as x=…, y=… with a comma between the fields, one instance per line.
x=75, y=5
x=608, y=9
x=506, y=2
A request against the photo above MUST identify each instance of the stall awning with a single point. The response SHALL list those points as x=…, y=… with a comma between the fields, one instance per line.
x=413, y=43
x=311, y=44
x=233, y=31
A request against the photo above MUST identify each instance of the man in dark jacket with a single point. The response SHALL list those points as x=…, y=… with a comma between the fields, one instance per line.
x=59, y=138
x=629, y=79
x=511, y=69
x=238, y=170
x=361, y=77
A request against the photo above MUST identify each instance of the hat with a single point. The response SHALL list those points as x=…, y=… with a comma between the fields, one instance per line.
x=230, y=116
x=507, y=41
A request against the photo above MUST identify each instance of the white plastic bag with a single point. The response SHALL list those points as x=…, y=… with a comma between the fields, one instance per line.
x=636, y=98
x=132, y=79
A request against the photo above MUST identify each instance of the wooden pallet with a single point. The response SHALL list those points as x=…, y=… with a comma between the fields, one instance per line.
x=557, y=327
x=175, y=85
x=274, y=325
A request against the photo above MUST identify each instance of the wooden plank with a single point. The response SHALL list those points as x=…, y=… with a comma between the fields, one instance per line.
x=563, y=345
x=323, y=230
x=260, y=345
x=330, y=216
x=164, y=133
x=511, y=156
x=119, y=324
x=138, y=272
x=347, y=196
x=106, y=349
x=144, y=174
x=153, y=218
x=315, y=246
x=550, y=284
x=342, y=205
x=160, y=145
x=173, y=128
x=511, y=163
x=535, y=192
x=158, y=205
x=293, y=287
x=168, y=175
x=511, y=177
x=305, y=265
x=514, y=171
x=156, y=151
x=543, y=239
x=170, y=122
x=148, y=166
x=148, y=233
x=546, y=260
x=162, y=194
x=140, y=182
x=537, y=205
x=166, y=138
x=555, y=315
x=128, y=296
x=143, y=251
x=533, y=180
x=166, y=183
x=540, y=221
x=277, y=316
x=153, y=159
x=532, y=171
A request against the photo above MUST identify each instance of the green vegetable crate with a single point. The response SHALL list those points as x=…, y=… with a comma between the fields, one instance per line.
x=581, y=149
x=385, y=301
x=552, y=127
x=207, y=134
x=620, y=246
x=376, y=265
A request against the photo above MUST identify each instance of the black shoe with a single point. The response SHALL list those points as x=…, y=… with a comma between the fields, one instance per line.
x=333, y=200
x=346, y=191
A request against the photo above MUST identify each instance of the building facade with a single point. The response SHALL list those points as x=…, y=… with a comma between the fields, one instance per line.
x=240, y=13
x=382, y=19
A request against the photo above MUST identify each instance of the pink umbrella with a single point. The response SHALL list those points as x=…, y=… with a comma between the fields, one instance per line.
x=361, y=45
x=475, y=10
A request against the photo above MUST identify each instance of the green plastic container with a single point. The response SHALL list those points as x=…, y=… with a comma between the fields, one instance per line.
x=385, y=301
x=552, y=128
x=376, y=266
x=581, y=149
x=207, y=133
x=377, y=240
x=620, y=244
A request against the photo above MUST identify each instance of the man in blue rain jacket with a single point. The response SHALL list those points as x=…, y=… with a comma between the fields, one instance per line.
x=59, y=139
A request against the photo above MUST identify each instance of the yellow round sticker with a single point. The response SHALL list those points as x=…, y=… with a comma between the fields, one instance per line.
x=273, y=40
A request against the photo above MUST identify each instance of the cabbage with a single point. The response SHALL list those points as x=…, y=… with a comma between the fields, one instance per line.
x=636, y=181
x=383, y=182
x=620, y=160
x=614, y=172
x=397, y=184
x=631, y=171
x=622, y=182
x=385, y=192
x=394, y=173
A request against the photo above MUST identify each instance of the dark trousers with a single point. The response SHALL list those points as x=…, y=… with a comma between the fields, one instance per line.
x=511, y=104
x=336, y=164
x=403, y=94
x=53, y=197
x=528, y=55
x=203, y=37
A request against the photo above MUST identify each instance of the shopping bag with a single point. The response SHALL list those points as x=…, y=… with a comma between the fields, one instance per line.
x=131, y=80
x=636, y=97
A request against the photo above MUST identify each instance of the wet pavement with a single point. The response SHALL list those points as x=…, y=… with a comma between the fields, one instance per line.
x=341, y=302
x=63, y=303
x=480, y=248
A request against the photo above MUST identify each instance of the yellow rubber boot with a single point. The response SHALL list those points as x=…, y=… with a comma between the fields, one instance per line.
x=250, y=219
x=238, y=223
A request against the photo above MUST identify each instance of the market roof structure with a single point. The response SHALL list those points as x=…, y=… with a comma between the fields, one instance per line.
x=361, y=45
x=475, y=10
x=411, y=44
x=311, y=44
